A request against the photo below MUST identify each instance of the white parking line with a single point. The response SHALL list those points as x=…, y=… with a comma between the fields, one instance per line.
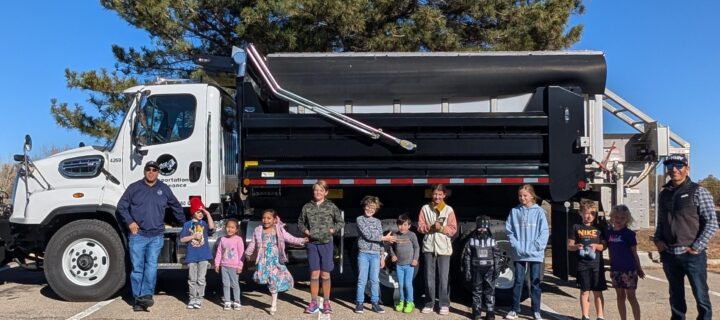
x=665, y=281
x=91, y=310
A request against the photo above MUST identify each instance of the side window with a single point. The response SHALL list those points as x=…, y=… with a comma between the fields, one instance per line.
x=166, y=118
x=230, y=136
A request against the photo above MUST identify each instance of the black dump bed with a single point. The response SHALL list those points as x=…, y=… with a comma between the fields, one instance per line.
x=537, y=144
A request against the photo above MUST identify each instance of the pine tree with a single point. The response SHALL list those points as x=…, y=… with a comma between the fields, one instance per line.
x=712, y=184
x=181, y=30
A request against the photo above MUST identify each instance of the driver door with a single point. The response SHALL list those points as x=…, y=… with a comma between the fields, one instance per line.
x=170, y=129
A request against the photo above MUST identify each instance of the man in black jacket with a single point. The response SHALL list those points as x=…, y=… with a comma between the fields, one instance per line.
x=686, y=223
x=142, y=209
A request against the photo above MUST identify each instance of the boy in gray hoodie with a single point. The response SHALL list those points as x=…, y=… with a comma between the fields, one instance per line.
x=405, y=252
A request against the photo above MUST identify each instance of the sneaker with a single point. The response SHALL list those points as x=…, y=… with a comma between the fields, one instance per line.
x=227, y=306
x=426, y=310
x=600, y=318
x=326, y=309
x=197, y=304
x=537, y=316
x=444, y=310
x=377, y=308
x=409, y=307
x=585, y=318
x=191, y=305
x=137, y=307
x=511, y=315
x=312, y=307
x=236, y=305
x=359, y=308
x=145, y=302
x=400, y=306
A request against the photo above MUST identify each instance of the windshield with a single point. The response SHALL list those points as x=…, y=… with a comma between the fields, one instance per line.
x=131, y=97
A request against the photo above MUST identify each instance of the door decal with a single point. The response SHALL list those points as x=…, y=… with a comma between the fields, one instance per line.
x=168, y=164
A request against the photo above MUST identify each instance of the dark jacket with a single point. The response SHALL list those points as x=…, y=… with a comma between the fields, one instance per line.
x=145, y=205
x=679, y=217
x=480, y=252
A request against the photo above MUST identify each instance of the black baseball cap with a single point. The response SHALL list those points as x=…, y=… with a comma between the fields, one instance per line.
x=152, y=164
x=677, y=157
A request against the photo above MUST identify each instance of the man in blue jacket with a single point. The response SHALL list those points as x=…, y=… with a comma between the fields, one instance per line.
x=142, y=209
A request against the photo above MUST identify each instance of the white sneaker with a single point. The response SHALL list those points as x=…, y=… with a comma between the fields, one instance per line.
x=227, y=306
x=444, y=311
x=511, y=315
x=426, y=310
x=236, y=305
x=537, y=316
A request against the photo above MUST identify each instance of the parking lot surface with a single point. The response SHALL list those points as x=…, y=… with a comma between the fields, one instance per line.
x=24, y=294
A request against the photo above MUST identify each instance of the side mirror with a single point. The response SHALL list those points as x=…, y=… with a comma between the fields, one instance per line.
x=28, y=143
x=141, y=100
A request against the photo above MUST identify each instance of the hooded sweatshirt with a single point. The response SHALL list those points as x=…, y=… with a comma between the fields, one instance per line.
x=283, y=237
x=527, y=230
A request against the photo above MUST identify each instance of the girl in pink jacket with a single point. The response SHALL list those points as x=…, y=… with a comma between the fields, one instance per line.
x=270, y=238
x=229, y=263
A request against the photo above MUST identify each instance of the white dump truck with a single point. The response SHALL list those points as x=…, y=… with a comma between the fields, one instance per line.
x=386, y=124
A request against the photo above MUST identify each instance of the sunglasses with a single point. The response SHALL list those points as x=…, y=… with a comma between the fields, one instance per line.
x=151, y=169
x=676, y=165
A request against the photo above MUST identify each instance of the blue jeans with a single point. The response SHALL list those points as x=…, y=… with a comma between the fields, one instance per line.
x=405, y=278
x=368, y=266
x=676, y=267
x=535, y=272
x=144, y=253
x=230, y=280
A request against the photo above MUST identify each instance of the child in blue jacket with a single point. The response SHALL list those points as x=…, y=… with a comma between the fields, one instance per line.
x=527, y=230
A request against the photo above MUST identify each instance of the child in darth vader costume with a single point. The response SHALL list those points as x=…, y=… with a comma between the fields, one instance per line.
x=480, y=259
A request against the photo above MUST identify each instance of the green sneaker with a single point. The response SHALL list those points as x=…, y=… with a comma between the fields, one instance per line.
x=409, y=307
x=400, y=306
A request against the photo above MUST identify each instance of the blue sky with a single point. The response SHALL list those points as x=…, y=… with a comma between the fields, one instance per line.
x=664, y=57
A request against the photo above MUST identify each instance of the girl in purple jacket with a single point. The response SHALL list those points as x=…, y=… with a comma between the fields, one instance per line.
x=270, y=238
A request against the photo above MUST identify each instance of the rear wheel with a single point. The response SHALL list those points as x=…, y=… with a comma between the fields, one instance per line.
x=85, y=261
x=506, y=280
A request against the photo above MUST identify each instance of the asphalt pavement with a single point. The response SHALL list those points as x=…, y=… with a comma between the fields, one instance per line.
x=24, y=294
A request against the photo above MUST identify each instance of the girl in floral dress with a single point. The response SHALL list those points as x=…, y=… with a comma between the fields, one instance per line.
x=270, y=238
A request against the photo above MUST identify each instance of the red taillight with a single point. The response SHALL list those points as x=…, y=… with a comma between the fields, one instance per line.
x=582, y=184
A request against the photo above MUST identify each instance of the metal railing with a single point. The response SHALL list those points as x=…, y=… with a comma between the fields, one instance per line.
x=258, y=62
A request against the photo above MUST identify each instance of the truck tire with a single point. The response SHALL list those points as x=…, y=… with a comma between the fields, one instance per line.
x=389, y=286
x=85, y=261
x=506, y=280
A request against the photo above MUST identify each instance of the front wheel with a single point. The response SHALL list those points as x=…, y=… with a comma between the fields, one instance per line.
x=85, y=261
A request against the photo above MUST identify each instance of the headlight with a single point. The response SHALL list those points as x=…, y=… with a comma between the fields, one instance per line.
x=81, y=167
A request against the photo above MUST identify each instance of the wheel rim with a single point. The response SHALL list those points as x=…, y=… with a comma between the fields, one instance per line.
x=85, y=262
x=506, y=279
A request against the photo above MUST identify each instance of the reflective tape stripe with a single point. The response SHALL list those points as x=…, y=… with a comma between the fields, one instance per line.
x=402, y=181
